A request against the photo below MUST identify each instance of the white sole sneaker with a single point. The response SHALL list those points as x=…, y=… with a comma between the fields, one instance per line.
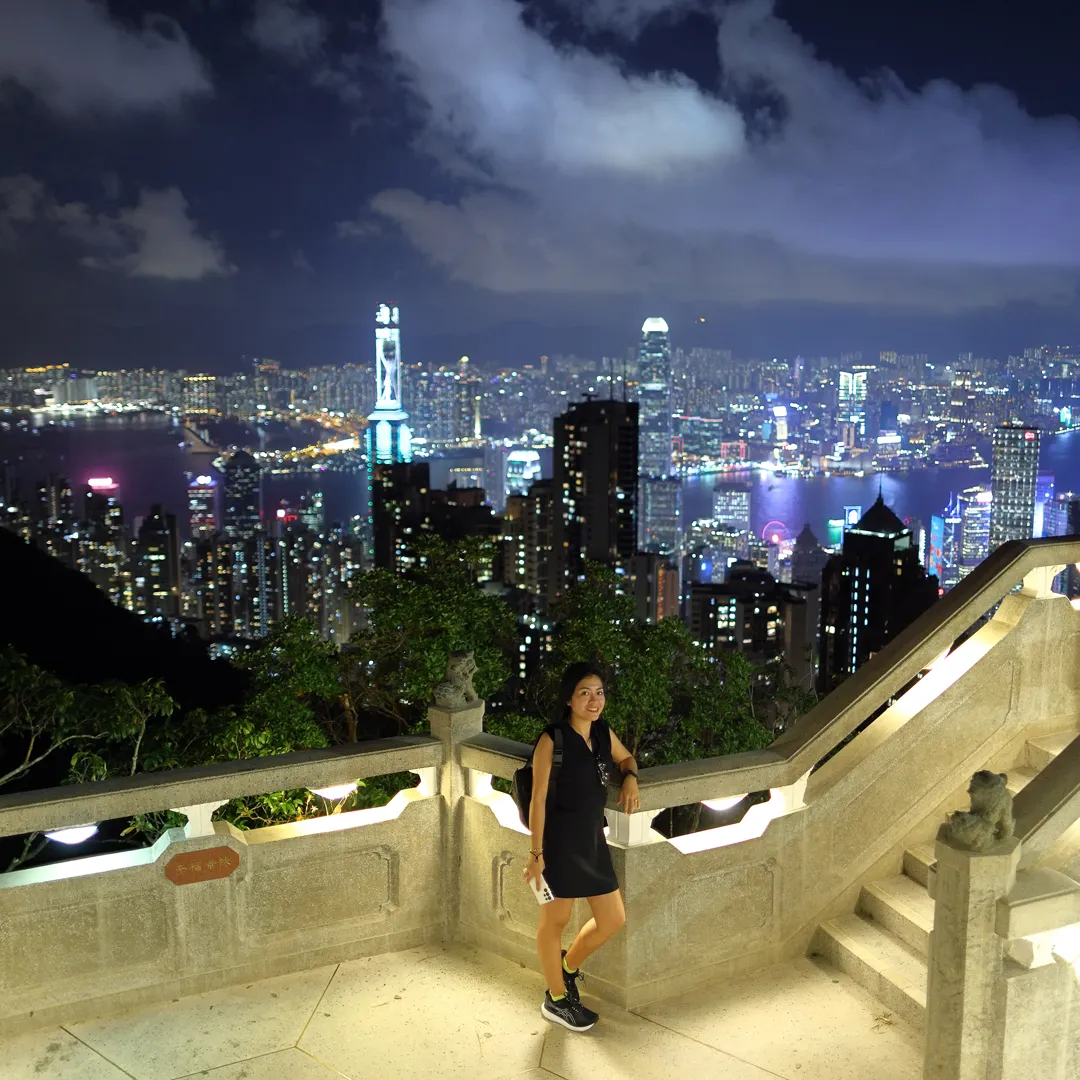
x=554, y=1018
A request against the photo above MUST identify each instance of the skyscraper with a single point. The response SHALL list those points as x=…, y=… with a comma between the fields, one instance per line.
x=595, y=482
x=731, y=511
x=243, y=497
x=975, y=508
x=388, y=439
x=660, y=494
x=202, y=507
x=156, y=568
x=808, y=558
x=1013, y=481
x=870, y=592
x=654, y=398
x=852, y=399
x=660, y=510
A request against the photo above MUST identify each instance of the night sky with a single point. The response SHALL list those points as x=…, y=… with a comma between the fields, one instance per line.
x=229, y=177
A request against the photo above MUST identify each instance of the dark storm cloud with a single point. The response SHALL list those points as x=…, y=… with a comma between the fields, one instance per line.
x=295, y=32
x=583, y=175
x=154, y=238
x=74, y=57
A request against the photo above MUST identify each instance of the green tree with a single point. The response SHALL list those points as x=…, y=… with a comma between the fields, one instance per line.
x=669, y=699
x=415, y=621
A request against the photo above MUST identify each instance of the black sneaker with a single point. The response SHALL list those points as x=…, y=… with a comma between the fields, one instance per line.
x=571, y=981
x=570, y=1014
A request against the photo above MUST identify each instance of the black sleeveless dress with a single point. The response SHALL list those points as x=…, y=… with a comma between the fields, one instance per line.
x=576, y=858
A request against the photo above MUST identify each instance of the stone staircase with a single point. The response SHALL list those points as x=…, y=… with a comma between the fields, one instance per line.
x=883, y=945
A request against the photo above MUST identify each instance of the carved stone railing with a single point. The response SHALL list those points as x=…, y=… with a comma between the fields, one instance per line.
x=1003, y=997
x=730, y=899
x=444, y=860
x=210, y=905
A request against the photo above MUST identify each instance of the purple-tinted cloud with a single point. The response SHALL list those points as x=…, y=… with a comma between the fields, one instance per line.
x=582, y=175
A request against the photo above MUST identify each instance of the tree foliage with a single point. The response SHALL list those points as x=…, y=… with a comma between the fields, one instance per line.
x=416, y=621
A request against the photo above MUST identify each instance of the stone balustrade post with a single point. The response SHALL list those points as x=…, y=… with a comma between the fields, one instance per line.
x=965, y=960
x=199, y=818
x=452, y=727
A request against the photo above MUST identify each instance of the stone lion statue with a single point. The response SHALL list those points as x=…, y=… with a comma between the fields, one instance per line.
x=457, y=690
x=990, y=819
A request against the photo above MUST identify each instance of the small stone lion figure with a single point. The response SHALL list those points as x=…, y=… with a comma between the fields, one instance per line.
x=990, y=819
x=457, y=690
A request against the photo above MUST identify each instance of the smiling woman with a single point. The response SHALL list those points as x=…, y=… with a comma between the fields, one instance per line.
x=569, y=855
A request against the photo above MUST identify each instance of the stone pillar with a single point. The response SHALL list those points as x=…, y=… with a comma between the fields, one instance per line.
x=452, y=727
x=965, y=960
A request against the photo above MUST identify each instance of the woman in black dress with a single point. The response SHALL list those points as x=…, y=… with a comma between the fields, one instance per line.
x=569, y=849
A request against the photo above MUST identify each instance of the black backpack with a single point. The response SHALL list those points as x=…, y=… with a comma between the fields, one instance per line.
x=523, y=778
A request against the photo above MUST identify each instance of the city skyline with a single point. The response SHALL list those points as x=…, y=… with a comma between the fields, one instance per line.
x=127, y=247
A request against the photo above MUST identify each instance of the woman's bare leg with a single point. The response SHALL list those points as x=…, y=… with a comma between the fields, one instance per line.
x=554, y=916
x=608, y=918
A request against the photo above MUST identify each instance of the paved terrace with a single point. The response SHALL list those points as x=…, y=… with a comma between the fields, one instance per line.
x=436, y=1012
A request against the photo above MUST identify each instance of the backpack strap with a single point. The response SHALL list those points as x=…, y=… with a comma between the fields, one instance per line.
x=557, y=752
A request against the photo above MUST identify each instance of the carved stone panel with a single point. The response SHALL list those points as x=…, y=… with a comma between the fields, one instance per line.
x=721, y=906
x=315, y=893
x=55, y=943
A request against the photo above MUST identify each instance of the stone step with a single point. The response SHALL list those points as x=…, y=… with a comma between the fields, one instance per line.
x=917, y=863
x=1040, y=752
x=902, y=907
x=877, y=961
x=1019, y=778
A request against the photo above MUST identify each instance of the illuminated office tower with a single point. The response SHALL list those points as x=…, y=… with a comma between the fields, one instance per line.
x=388, y=439
x=1013, y=480
x=660, y=513
x=202, y=507
x=975, y=508
x=654, y=399
x=731, y=510
x=852, y=400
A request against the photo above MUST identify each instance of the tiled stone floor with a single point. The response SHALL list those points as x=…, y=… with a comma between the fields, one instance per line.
x=439, y=1012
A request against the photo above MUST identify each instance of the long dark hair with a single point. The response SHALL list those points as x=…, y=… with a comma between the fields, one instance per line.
x=573, y=674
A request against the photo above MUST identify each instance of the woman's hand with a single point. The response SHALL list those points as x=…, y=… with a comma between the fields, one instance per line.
x=534, y=868
x=629, y=798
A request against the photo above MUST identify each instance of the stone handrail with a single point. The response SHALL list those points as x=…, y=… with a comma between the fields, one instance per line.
x=837, y=715
x=77, y=804
x=1048, y=805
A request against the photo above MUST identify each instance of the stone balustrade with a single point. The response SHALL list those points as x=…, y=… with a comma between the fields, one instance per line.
x=444, y=860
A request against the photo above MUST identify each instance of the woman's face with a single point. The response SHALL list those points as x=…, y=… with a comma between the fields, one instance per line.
x=587, y=702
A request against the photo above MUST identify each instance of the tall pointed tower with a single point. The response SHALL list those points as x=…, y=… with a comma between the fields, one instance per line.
x=388, y=439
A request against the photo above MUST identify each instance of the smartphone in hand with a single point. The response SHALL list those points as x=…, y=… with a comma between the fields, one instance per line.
x=542, y=892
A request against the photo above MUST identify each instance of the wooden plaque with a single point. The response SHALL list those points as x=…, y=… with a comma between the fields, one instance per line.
x=205, y=865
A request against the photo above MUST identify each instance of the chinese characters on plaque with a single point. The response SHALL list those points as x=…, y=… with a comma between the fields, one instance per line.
x=206, y=865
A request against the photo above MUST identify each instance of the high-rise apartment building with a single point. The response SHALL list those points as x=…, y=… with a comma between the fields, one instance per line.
x=155, y=568
x=752, y=613
x=870, y=592
x=242, y=512
x=1013, y=481
x=595, y=484
x=200, y=394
